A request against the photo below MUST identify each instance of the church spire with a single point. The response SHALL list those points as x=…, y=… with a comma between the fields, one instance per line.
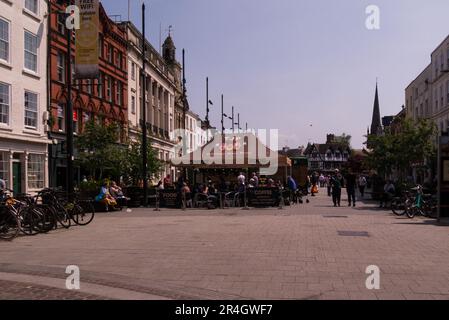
x=376, y=124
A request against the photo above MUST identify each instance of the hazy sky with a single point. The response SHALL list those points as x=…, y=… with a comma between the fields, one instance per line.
x=306, y=67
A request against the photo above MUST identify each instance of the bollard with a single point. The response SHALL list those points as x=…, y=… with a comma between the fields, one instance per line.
x=157, y=202
x=281, y=201
x=245, y=200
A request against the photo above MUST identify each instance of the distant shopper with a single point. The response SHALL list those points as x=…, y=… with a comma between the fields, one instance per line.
x=351, y=183
x=256, y=180
x=241, y=180
x=362, y=185
x=337, y=184
x=389, y=191
x=329, y=186
x=167, y=181
x=314, y=181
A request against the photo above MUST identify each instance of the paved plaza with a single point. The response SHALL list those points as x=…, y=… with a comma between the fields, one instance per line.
x=309, y=251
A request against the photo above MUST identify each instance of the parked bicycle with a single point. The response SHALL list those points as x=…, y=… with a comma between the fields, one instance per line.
x=422, y=204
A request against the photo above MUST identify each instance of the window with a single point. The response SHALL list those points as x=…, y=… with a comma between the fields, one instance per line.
x=108, y=83
x=447, y=94
x=436, y=100
x=61, y=67
x=61, y=118
x=61, y=23
x=118, y=93
x=441, y=96
x=36, y=171
x=100, y=86
x=4, y=165
x=110, y=54
x=31, y=107
x=133, y=105
x=89, y=86
x=32, y=5
x=119, y=58
x=4, y=40
x=133, y=71
x=4, y=103
x=30, y=51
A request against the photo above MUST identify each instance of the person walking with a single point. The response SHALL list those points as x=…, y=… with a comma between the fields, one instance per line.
x=337, y=183
x=362, y=185
x=329, y=185
x=314, y=181
x=351, y=182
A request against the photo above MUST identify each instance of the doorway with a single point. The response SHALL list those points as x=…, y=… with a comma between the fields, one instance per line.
x=17, y=177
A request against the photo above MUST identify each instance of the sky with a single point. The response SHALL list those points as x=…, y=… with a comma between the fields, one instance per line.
x=305, y=67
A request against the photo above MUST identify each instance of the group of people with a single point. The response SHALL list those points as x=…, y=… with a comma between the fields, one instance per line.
x=335, y=182
x=111, y=195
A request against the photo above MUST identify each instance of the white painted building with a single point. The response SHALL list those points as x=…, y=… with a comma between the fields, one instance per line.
x=162, y=88
x=23, y=95
x=428, y=95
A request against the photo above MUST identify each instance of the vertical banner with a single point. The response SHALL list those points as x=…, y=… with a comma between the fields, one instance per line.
x=87, y=50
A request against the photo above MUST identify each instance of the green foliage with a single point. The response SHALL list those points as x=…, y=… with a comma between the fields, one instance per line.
x=412, y=145
x=133, y=167
x=344, y=139
x=99, y=151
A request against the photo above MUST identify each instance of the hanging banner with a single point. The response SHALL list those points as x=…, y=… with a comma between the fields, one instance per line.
x=87, y=50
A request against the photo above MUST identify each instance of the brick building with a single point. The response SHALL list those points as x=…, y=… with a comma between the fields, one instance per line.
x=104, y=100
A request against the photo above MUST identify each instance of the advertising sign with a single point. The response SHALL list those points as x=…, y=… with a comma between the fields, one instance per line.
x=87, y=50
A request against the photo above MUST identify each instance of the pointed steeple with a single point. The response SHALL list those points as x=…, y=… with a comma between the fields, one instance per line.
x=376, y=124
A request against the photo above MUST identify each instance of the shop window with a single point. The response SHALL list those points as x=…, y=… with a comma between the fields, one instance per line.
x=36, y=171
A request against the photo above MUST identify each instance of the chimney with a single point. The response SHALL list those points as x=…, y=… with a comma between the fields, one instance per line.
x=330, y=138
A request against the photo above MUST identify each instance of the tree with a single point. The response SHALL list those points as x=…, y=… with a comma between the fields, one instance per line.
x=413, y=145
x=133, y=166
x=98, y=150
x=344, y=139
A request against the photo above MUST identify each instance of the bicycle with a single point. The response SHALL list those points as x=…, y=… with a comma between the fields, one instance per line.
x=9, y=222
x=422, y=204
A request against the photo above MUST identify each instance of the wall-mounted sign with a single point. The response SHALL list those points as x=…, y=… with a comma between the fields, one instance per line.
x=87, y=49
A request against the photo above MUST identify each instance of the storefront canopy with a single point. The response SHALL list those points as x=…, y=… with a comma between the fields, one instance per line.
x=239, y=151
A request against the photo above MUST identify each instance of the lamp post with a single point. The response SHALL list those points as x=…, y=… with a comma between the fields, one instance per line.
x=222, y=115
x=144, y=115
x=69, y=112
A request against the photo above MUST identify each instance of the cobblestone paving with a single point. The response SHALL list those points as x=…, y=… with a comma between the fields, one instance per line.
x=12, y=290
x=311, y=251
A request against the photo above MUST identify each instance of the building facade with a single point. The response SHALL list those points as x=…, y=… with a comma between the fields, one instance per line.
x=428, y=95
x=326, y=157
x=163, y=86
x=23, y=95
x=104, y=100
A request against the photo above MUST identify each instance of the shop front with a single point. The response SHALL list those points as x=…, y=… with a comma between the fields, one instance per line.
x=24, y=165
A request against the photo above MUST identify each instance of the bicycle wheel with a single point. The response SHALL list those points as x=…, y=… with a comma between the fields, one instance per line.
x=82, y=213
x=9, y=225
x=29, y=221
x=412, y=212
x=46, y=221
x=62, y=216
x=398, y=207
